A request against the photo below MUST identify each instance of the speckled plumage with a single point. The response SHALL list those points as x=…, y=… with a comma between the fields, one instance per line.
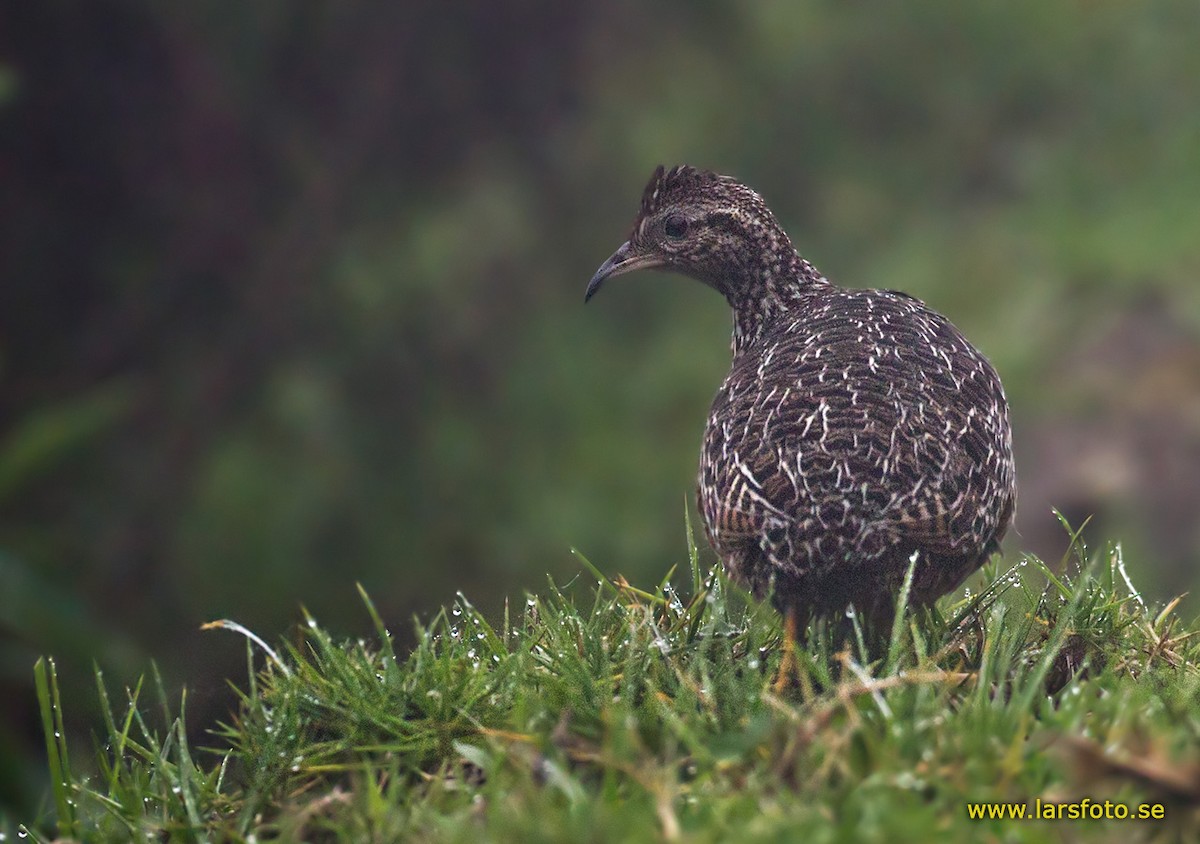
x=855, y=427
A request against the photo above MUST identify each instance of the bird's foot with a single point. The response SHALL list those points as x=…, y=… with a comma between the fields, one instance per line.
x=788, y=674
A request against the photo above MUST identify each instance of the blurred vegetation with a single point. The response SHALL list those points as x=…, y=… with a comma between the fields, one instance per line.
x=292, y=291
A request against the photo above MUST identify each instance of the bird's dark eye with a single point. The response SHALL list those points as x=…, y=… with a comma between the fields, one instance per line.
x=676, y=226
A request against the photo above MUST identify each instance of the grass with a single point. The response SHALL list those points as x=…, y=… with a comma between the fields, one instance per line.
x=645, y=715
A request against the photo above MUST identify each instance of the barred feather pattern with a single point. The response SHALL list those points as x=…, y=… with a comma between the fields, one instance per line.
x=859, y=427
x=855, y=429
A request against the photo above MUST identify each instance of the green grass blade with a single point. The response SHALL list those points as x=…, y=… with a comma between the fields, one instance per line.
x=896, y=640
x=50, y=703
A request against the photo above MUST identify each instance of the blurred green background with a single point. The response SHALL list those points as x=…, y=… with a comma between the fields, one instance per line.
x=291, y=291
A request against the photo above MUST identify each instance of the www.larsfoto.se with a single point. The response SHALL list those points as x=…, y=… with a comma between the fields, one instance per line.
x=1085, y=809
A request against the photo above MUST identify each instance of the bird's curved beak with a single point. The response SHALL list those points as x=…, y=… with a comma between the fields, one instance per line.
x=622, y=261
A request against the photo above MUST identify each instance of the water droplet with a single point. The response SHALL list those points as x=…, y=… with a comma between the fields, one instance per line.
x=457, y=611
x=495, y=657
x=312, y=623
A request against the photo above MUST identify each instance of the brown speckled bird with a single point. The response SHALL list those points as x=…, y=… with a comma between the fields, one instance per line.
x=855, y=427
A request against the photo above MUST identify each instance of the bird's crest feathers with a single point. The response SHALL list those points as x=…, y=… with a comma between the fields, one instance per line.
x=689, y=185
x=666, y=185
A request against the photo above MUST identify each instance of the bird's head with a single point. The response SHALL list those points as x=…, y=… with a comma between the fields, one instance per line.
x=706, y=226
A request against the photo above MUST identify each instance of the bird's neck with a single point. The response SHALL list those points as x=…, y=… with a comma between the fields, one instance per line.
x=769, y=287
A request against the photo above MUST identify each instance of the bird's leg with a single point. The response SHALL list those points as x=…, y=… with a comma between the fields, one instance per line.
x=787, y=665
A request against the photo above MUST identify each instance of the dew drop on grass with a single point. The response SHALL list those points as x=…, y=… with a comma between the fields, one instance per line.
x=457, y=611
x=496, y=658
